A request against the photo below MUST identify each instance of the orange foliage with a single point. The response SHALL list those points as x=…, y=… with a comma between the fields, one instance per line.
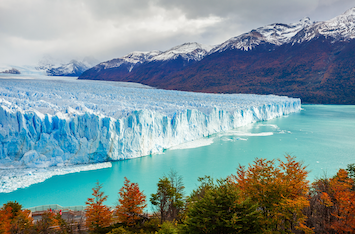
x=281, y=192
x=132, y=202
x=22, y=222
x=5, y=221
x=14, y=222
x=97, y=214
x=343, y=202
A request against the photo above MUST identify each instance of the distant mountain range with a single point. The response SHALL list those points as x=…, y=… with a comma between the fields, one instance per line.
x=72, y=68
x=11, y=71
x=311, y=60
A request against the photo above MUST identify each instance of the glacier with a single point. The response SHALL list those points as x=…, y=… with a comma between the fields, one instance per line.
x=46, y=124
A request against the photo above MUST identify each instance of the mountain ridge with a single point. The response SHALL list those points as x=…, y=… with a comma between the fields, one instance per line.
x=72, y=68
x=302, y=60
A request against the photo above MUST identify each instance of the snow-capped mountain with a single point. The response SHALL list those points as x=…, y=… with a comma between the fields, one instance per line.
x=339, y=28
x=275, y=34
x=311, y=60
x=73, y=68
x=11, y=71
x=129, y=60
x=187, y=51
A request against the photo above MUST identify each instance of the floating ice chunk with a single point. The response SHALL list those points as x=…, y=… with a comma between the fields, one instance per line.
x=194, y=144
x=239, y=133
x=13, y=179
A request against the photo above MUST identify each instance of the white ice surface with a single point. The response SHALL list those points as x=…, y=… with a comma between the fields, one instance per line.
x=12, y=179
x=194, y=144
x=50, y=123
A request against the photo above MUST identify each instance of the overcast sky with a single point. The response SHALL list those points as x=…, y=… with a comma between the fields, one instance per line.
x=107, y=29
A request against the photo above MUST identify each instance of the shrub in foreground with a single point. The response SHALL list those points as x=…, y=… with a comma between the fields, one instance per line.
x=219, y=208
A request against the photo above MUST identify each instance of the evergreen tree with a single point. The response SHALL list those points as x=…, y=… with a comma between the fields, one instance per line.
x=220, y=209
x=169, y=200
x=162, y=199
x=351, y=170
x=178, y=202
x=46, y=223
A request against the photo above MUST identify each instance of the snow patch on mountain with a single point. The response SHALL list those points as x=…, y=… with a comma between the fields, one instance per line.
x=187, y=51
x=339, y=28
x=130, y=60
x=276, y=34
x=54, y=67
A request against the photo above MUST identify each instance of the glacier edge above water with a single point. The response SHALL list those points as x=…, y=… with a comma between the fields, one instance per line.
x=43, y=126
x=32, y=140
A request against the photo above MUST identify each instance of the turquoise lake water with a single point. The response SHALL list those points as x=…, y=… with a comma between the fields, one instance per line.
x=323, y=136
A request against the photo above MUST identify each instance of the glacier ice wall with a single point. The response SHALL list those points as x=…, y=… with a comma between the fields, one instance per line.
x=47, y=123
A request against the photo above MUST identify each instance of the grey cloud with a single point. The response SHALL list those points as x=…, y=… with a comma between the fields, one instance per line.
x=46, y=20
x=251, y=9
x=111, y=28
x=113, y=9
x=260, y=11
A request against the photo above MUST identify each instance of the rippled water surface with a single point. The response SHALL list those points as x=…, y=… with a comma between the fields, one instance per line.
x=323, y=136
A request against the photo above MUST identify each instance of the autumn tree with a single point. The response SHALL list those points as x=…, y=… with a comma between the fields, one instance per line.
x=97, y=214
x=342, y=199
x=22, y=223
x=131, y=203
x=15, y=220
x=219, y=208
x=280, y=190
x=16, y=208
x=5, y=221
x=332, y=204
x=319, y=211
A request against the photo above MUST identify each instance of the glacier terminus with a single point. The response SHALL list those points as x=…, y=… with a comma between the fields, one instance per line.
x=57, y=126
